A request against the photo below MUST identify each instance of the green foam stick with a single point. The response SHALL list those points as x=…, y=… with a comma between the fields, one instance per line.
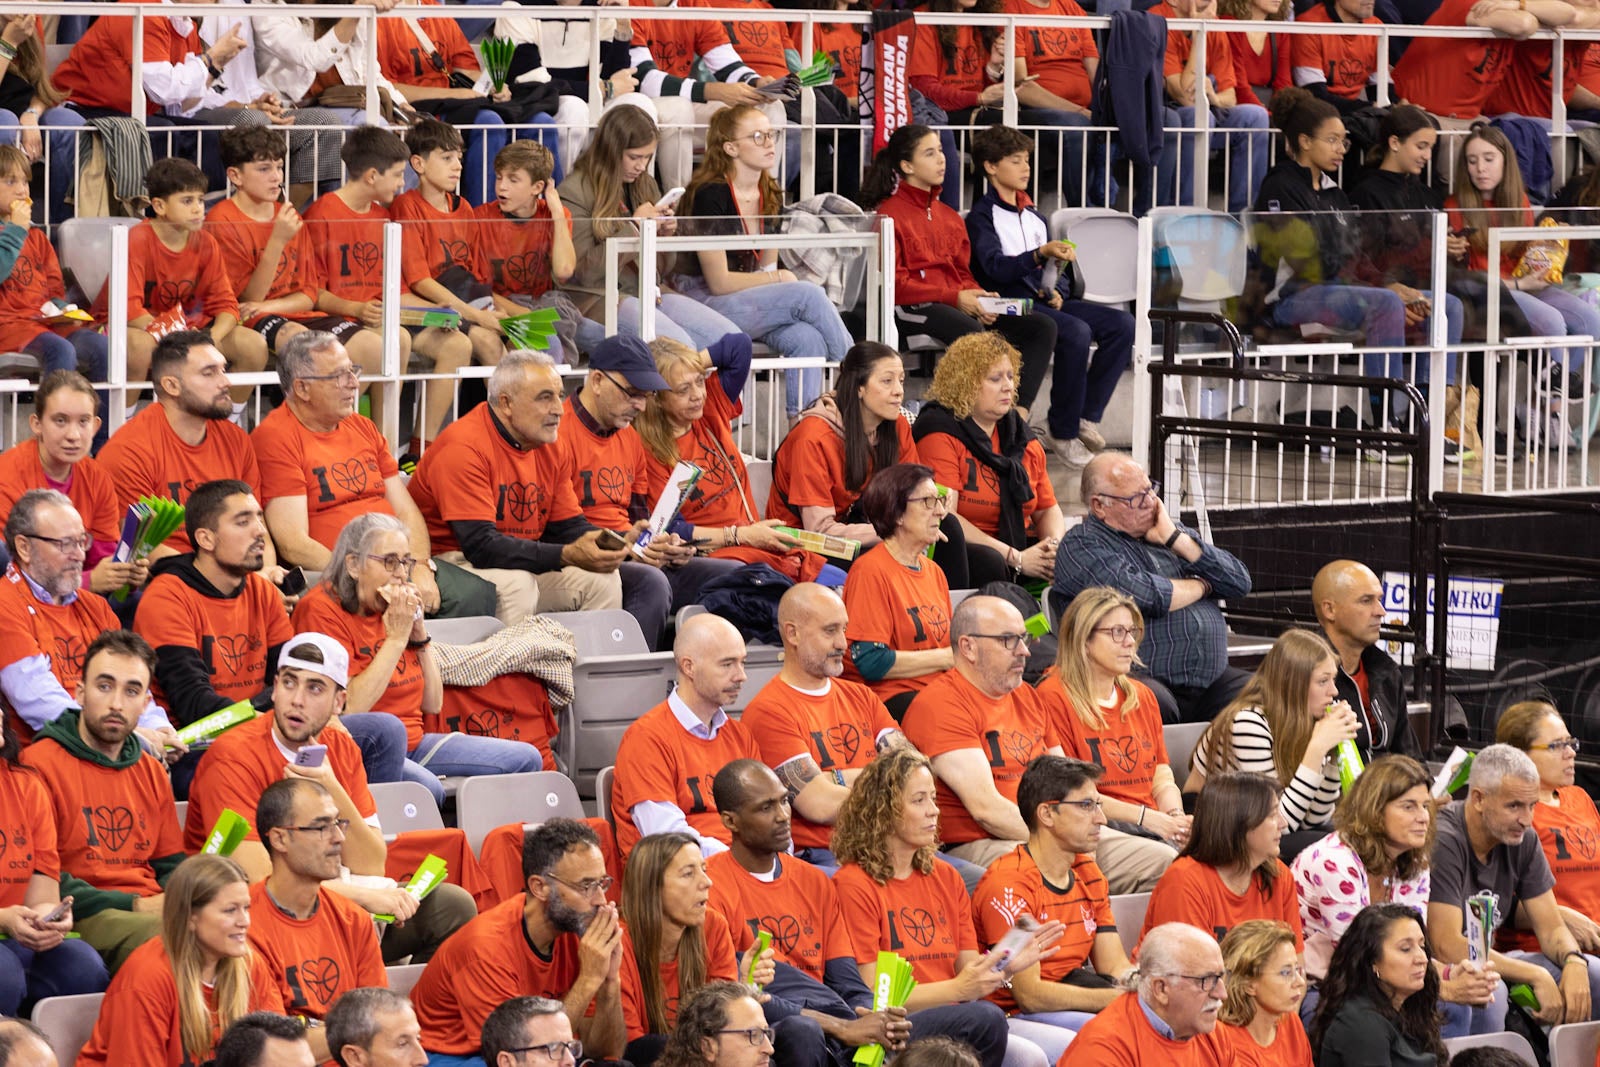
x=226, y=835
x=497, y=60
x=217, y=722
x=763, y=942
x=430, y=876
x=1037, y=625
x=891, y=987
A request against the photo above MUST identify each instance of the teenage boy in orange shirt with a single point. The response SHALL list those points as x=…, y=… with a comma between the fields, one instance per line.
x=524, y=249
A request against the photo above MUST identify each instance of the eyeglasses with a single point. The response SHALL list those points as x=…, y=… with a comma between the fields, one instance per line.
x=1337, y=142
x=1570, y=744
x=65, y=544
x=1008, y=642
x=1088, y=807
x=755, y=1034
x=1291, y=972
x=760, y=137
x=627, y=390
x=932, y=502
x=1207, y=982
x=322, y=829
x=347, y=376
x=586, y=888
x=1120, y=634
x=395, y=564
x=1138, y=500
x=555, y=1051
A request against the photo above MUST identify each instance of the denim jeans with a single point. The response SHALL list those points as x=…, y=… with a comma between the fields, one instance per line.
x=1247, y=154
x=70, y=968
x=793, y=318
x=1544, y=962
x=1392, y=364
x=477, y=162
x=1080, y=388
x=677, y=317
x=382, y=740
x=1379, y=314
x=462, y=755
x=81, y=350
x=61, y=150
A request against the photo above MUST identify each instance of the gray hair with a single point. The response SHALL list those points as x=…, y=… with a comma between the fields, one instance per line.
x=355, y=541
x=1093, y=480
x=1161, y=951
x=353, y=1019
x=294, y=357
x=967, y=618
x=507, y=1026
x=21, y=519
x=1497, y=763
x=513, y=367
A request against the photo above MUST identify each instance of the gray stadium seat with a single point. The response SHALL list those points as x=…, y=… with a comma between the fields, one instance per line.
x=486, y=801
x=1128, y=909
x=405, y=806
x=403, y=976
x=602, y=794
x=1515, y=1044
x=1574, y=1044
x=68, y=1022
x=1181, y=739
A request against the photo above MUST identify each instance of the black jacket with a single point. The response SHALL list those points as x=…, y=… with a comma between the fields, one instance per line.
x=1397, y=225
x=1385, y=726
x=1315, y=231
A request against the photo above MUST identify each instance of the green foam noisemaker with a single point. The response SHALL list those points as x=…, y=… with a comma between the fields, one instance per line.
x=430, y=876
x=227, y=835
x=1037, y=625
x=217, y=722
x=891, y=987
x=149, y=522
x=497, y=60
x=440, y=318
x=532, y=330
x=763, y=942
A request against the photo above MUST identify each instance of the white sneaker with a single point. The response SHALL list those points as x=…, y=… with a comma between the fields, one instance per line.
x=1089, y=433
x=1072, y=452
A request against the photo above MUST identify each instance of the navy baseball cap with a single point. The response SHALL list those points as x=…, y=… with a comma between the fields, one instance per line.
x=631, y=358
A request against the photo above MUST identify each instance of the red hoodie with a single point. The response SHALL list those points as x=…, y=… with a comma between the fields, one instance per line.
x=931, y=251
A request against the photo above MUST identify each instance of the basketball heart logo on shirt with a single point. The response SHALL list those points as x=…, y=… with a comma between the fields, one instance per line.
x=1582, y=839
x=350, y=475
x=112, y=824
x=1052, y=43
x=366, y=256
x=918, y=925
x=68, y=658
x=456, y=253
x=845, y=739
x=966, y=62
x=1020, y=746
x=234, y=649
x=22, y=271
x=168, y=294
x=755, y=34
x=485, y=722
x=520, y=500
x=936, y=618
x=1123, y=753
x=613, y=484
x=321, y=978
x=785, y=931
x=671, y=57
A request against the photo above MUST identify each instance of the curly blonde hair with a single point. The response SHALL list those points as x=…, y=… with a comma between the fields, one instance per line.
x=964, y=366
x=871, y=814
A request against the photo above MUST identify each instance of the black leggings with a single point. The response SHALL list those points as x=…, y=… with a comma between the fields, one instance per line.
x=1033, y=335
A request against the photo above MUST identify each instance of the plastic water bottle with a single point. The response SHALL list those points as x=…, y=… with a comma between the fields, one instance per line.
x=1350, y=765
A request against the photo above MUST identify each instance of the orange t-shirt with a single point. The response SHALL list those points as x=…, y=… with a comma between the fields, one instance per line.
x=110, y=822
x=1526, y=87
x=1477, y=260
x=1290, y=1046
x=1219, y=57
x=471, y=473
x=838, y=728
x=340, y=473
x=1121, y=1033
x=88, y=487
x=797, y=907
x=242, y=240
x=516, y=252
x=232, y=634
x=1056, y=53
x=27, y=833
x=61, y=633
x=841, y=41
x=979, y=498
x=1013, y=885
x=139, y=1016
x=193, y=279
x=889, y=605
x=607, y=471
x=512, y=707
x=722, y=495
x=95, y=73
x=346, y=249
x=659, y=760
x=721, y=963
x=145, y=458
x=759, y=44
x=403, y=61
x=675, y=44
x=315, y=959
x=1569, y=833
x=960, y=72
x=926, y=918
x=1345, y=63
x=362, y=636
x=808, y=471
x=1192, y=892
x=1128, y=749
x=437, y=240
x=35, y=277
x=952, y=714
x=1451, y=76
x=483, y=965
x=243, y=761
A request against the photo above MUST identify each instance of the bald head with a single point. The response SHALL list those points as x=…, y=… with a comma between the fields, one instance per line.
x=812, y=621
x=699, y=636
x=1348, y=599
x=981, y=628
x=1110, y=481
x=710, y=654
x=1174, y=959
x=23, y=1044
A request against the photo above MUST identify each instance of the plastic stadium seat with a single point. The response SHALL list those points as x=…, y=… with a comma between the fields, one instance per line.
x=183, y=813
x=1208, y=252
x=1181, y=738
x=617, y=679
x=485, y=801
x=405, y=806
x=84, y=248
x=1128, y=909
x=468, y=631
x=758, y=474
x=67, y=1022
x=1108, y=251
x=403, y=976
x=1573, y=1045
x=602, y=794
x=1515, y=1044
x=958, y=595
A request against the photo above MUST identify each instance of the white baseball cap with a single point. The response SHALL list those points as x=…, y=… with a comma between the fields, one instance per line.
x=335, y=665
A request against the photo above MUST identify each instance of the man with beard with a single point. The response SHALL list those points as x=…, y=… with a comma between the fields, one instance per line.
x=184, y=439
x=116, y=822
x=559, y=938
x=670, y=754
x=243, y=764
x=816, y=729
x=819, y=1002
x=610, y=474
x=47, y=618
x=317, y=943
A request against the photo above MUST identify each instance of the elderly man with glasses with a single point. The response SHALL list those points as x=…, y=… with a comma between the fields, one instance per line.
x=323, y=463
x=1129, y=542
x=560, y=940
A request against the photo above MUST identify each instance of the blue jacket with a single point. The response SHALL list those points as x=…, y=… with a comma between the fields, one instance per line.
x=1002, y=237
x=1128, y=89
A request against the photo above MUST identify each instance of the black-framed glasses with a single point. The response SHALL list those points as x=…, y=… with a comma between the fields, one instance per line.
x=555, y=1051
x=345, y=376
x=1138, y=500
x=323, y=829
x=395, y=564
x=588, y=887
x=627, y=390
x=755, y=1034
x=1088, y=807
x=1570, y=744
x=1207, y=982
x=932, y=502
x=65, y=544
x=1008, y=642
x=1120, y=634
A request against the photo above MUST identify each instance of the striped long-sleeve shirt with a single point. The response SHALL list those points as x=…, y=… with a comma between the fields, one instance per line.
x=1307, y=801
x=664, y=52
